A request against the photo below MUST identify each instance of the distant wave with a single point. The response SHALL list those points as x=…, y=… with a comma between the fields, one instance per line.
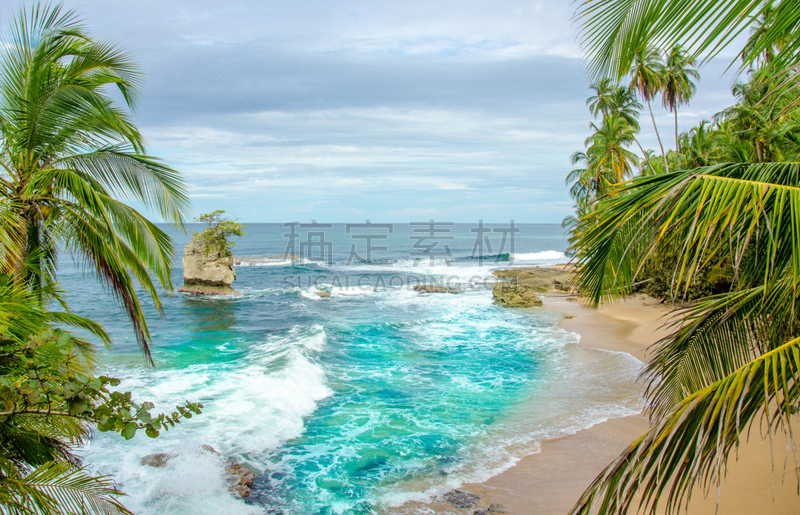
x=271, y=261
x=547, y=255
x=492, y=257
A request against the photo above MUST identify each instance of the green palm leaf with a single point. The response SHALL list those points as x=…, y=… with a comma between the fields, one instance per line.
x=71, y=156
x=59, y=488
x=692, y=444
x=613, y=31
x=708, y=214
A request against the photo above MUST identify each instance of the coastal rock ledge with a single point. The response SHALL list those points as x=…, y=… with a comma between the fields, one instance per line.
x=206, y=271
x=512, y=295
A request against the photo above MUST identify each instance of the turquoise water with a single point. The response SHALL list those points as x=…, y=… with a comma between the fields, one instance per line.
x=355, y=403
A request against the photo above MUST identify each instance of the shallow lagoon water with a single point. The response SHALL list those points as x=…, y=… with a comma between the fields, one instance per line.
x=354, y=403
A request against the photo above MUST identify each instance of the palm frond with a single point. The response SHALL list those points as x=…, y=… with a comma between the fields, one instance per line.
x=692, y=444
x=60, y=488
x=614, y=30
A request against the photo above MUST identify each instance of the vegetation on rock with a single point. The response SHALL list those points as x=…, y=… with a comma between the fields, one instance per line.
x=217, y=236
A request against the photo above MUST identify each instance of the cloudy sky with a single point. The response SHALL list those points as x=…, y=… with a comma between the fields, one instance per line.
x=393, y=111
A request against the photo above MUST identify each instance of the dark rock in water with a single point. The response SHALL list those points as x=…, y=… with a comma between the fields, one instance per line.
x=240, y=476
x=210, y=449
x=554, y=279
x=493, y=508
x=158, y=459
x=463, y=500
x=241, y=479
x=208, y=290
x=430, y=288
x=511, y=295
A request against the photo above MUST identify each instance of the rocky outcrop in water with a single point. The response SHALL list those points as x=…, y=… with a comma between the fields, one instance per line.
x=541, y=279
x=207, y=271
x=239, y=476
x=158, y=459
x=462, y=500
x=431, y=288
x=512, y=295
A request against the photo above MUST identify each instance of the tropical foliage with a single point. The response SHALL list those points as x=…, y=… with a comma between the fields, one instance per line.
x=49, y=400
x=217, y=235
x=716, y=224
x=69, y=157
x=68, y=152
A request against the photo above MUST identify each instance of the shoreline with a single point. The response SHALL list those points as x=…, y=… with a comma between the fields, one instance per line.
x=552, y=480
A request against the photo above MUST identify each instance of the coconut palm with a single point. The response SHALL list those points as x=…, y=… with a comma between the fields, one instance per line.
x=765, y=19
x=68, y=154
x=733, y=358
x=647, y=80
x=763, y=125
x=677, y=87
x=614, y=31
x=700, y=146
x=598, y=103
x=608, y=154
x=38, y=471
x=622, y=102
x=716, y=215
x=582, y=186
x=609, y=99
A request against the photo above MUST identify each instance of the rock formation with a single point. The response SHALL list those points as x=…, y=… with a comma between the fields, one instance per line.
x=513, y=295
x=158, y=459
x=462, y=500
x=207, y=271
x=552, y=279
x=240, y=477
x=430, y=288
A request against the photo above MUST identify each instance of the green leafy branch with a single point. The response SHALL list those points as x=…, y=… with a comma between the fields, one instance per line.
x=216, y=236
x=41, y=379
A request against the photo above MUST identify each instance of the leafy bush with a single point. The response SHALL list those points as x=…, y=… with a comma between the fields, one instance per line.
x=218, y=232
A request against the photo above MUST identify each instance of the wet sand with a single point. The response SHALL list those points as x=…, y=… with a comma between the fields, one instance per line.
x=551, y=481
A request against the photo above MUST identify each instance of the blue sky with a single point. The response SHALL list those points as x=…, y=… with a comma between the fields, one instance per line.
x=393, y=111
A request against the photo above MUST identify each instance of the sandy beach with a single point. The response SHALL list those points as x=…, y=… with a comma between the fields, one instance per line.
x=551, y=481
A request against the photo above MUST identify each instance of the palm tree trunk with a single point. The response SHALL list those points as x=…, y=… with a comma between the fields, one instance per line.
x=676, y=128
x=641, y=149
x=652, y=117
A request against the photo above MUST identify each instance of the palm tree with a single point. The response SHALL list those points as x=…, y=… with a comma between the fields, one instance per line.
x=582, y=186
x=38, y=471
x=606, y=161
x=760, y=124
x=647, y=80
x=733, y=358
x=614, y=31
x=700, y=146
x=622, y=102
x=677, y=88
x=68, y=152
x=711, y=378
x=609, y=99
x=758, y=32
x=598, y=103
x=607, y=151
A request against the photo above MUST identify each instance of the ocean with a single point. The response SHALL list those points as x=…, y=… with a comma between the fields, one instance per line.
x=359, y=402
